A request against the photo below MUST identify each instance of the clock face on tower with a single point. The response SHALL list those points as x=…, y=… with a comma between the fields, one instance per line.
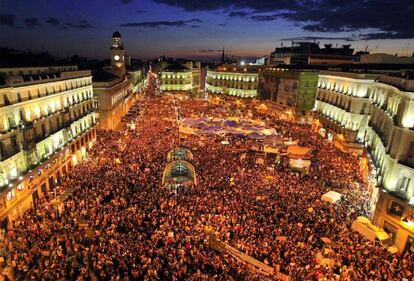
x=116, y=57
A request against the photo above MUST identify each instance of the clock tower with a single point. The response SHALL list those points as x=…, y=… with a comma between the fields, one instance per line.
x=117, y=55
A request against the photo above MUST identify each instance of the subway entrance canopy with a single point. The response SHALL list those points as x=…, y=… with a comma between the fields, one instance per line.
x=180, y=153
x=179, y=174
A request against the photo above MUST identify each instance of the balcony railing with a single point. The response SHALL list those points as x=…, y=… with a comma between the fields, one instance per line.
x=64, y=125
x=383, y=137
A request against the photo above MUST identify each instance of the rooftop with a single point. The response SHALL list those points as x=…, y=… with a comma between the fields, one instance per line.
x=103, y=76
x=400, y=83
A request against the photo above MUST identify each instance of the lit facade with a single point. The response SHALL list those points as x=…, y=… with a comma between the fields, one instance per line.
x=114, y=87
x=137, y=78
x=378, y=112
x=176, y=80
x=390, y=139
x=180, y=76
x=233, y=80
x=42, y=111
x=343, y=106
x=113, y=99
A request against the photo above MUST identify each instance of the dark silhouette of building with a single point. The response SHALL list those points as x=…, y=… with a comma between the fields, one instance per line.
x=303, y=53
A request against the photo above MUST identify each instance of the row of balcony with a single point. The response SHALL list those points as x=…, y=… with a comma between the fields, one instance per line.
x=7, y=102
x=30, y=142
x=236, y=87
x=13, y=126
x=337, y=127
x=343, y=91
x=383, y=137
x=346, y=108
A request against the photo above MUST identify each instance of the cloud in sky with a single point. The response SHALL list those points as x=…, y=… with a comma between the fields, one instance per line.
x=208, y=51
x=158, y=24
x=350, y=38
x=81, y=24
x=240, y=13
x=8, y=20
x=271, y=17
x=32, y=22
x=53, y=21
x=390, y=19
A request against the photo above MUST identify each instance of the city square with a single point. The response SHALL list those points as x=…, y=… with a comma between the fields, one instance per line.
x=295, y=165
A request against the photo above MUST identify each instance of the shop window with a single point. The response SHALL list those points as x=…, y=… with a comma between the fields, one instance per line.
x=391, y=231
x=409, y=246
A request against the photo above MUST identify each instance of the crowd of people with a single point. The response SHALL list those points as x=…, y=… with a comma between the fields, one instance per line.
x=120, y=224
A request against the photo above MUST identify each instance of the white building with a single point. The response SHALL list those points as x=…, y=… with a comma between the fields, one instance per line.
x=44, y=112
x=234, y=80
x=180, y=76
x=343, y=104
x=377, y=113
x=115, y=87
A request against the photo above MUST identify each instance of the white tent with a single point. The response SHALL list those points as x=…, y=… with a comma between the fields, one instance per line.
x=331, y=197
x=299, y=164
x=363, y=226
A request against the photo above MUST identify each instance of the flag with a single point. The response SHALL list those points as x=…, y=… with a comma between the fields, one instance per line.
x=396, y=209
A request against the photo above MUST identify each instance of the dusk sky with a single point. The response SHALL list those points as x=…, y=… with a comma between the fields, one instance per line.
x=194, y=29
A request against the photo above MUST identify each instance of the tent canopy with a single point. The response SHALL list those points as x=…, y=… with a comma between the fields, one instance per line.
x=331, y=197
x=179, y=172
x=296, y=151
x=255, y=136
x=230, y=123
x=299, y=164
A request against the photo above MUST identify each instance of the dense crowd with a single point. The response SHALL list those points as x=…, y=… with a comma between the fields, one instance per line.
x=137, y=230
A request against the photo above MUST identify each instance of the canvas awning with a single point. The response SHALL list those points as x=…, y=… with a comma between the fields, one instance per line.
x=331, y=197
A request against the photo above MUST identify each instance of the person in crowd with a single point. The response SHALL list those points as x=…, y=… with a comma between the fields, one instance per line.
x=121, y=224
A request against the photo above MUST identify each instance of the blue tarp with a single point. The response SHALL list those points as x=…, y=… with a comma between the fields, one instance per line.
x=255, y=136
x=231, y=123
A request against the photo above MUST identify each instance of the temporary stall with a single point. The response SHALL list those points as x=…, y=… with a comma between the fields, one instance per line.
x=364, y=227
x=299, y=164
x=296, y=151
